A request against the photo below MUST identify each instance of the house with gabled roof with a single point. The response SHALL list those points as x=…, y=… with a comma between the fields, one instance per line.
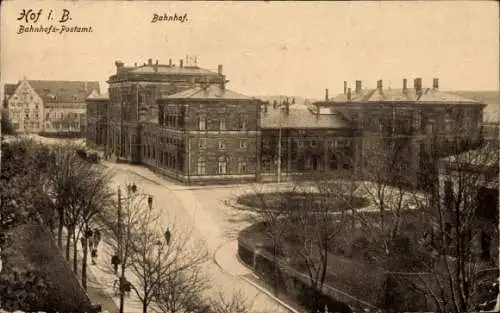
x=48, y=106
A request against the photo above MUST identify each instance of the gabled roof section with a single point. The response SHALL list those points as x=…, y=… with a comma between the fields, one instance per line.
x=300, y=118
x=434, y=95
x=213, y=91
x=94, y=95
x=64, y=91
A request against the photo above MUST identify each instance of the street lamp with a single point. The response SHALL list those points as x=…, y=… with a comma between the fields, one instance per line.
x=119, y=258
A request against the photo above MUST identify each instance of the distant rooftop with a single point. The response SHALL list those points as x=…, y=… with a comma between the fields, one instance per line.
x=300, y=118
x=166, y=69
x=95, y=95
x=417, y=94
x=213, y=91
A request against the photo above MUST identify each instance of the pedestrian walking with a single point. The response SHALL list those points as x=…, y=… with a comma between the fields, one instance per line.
x=94, y=256
x=116, y=287
x=115, y=260
x=97, y=237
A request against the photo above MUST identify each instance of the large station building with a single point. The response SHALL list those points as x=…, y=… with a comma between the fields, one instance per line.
x=182, y=120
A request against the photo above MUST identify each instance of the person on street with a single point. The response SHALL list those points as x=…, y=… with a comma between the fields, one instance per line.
x=97, y=237
x=94, y=256
x=115, y=260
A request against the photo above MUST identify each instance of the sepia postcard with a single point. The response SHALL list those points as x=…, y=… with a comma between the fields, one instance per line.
x=249, y=157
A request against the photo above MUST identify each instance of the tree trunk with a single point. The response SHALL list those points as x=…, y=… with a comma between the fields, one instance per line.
x=68, y=243
x=60, y=228
x=75, y=254
x=144, y=306
x=84, y=263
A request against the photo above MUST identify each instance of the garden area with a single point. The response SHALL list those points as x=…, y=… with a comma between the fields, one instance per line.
x=298, y=199
x=339, y=244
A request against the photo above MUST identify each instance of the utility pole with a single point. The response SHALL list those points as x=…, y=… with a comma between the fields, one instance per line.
x=120, y=251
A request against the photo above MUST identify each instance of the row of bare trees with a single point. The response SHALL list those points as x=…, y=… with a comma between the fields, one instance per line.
x=166, y=271
x=425, y=238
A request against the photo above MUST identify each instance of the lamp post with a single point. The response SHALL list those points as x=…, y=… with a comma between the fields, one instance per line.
x=120, y=258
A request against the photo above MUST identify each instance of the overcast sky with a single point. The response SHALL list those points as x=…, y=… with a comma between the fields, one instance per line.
x=294, y=48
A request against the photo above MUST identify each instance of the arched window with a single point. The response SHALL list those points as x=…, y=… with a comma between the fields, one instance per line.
x=201, y=166
x=222, y=165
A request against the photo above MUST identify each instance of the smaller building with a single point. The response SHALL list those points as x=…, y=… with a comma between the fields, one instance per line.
x=470, y=191
x=37, y=106
x=205, y=134
x=300, y=140
x=97, y=120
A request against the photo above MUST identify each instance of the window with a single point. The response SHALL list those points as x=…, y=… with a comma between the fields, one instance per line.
x=331, y=143
x=203, y=143
x=242, y=166
x=26, y=115
x=243, y=124
x=243, y=144
x=313, y=143
x=222, y=144
x=222, y=165
x=222, y=124
x=202, y=123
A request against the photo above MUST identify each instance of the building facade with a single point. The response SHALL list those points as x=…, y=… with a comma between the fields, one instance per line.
x=206, y=134
x=400, y=127
x=311, y=141
x=133, y=92
x=48, y=106
x=96, y=119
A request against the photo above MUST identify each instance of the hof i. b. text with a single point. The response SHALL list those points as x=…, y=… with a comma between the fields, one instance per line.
x=49, y=22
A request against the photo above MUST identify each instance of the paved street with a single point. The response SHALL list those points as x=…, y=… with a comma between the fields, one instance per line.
x=210, y=221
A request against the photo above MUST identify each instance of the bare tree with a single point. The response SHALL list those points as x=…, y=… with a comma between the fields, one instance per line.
x=463, y=222
x=93, y=195
x=273, y=212
x=234, y=304
x=167, y=269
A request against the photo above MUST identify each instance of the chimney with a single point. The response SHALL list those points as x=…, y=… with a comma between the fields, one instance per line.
x=156, y=62
x=223, y=84
x=170, y=62
x=358, y=86
x=287, y=107
x=181, y=63
x=326, y=94
x=135, y=64
x=435, y=83
x=379, y=85
x=119, y=64
x=405, y=84
x=345, y=87
x=265, y=106
x=349, y=98
x=150, y=61
x=219, y=69
x=417, y=84
x=275, y=104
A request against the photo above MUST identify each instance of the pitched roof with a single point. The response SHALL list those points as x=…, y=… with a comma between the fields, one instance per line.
x=9, y=89
x=166, y=69
x=300, y=118
x=95, y=95
x=213, y=91
x=53, y=91
x=428, y=95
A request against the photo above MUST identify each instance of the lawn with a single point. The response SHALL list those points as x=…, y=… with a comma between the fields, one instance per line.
x=297, y=199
